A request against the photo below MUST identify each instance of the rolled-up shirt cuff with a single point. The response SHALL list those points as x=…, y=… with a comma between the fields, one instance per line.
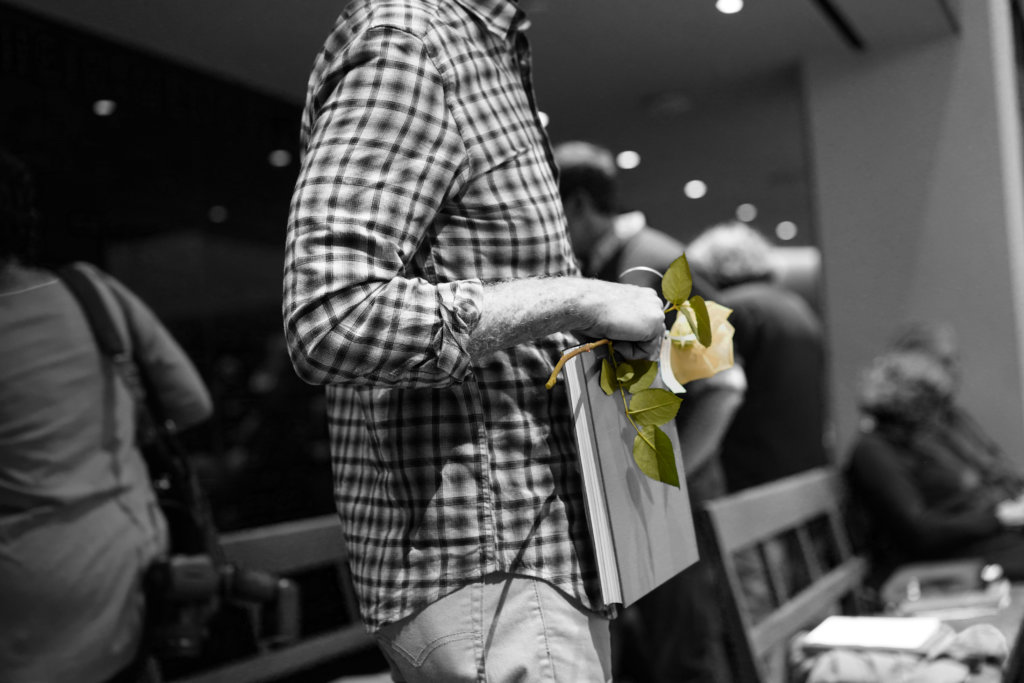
x=460, y=303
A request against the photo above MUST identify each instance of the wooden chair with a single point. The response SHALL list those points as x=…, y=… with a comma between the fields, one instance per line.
x=286, y=549
x=788, y=539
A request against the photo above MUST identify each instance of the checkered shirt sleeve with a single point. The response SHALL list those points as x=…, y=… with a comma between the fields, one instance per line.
x=382, y=154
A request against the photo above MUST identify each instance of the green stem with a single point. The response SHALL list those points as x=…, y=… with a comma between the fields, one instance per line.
x=625, y=406
x=630, y=418
x=575, y=352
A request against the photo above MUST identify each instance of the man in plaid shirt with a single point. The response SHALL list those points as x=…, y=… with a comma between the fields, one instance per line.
x=430, y=285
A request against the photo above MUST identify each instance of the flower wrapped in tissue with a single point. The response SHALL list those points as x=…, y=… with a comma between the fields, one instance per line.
x=690, y=360
x=699, y=345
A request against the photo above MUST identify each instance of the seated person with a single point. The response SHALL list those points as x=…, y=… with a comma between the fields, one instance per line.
x=939, y=340
x=922, y=494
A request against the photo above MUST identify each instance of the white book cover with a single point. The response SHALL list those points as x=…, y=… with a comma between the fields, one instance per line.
x=906, y=634
x=642, y=529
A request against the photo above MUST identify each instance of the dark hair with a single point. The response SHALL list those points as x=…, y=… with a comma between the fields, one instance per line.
x=17, y=210
x=904, y=387
x=588, y=169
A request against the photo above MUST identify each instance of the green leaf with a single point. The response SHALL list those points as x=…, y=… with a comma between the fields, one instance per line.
x=636, y=374
x=700, y=311
x=624, y=373
x=653, y=406
x=652, y=451
x=609, y=384
x=678, y=281
x=645, y=372
x=686, y=310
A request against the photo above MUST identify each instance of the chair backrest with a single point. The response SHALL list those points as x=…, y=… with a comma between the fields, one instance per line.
x=285, y=549
x=785, y=557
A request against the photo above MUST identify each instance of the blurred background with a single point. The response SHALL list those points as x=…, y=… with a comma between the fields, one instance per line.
x=877, y=144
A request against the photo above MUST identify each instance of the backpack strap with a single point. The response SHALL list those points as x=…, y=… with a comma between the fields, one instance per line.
x=163, y=452
x=108, y=337
x=95, y=308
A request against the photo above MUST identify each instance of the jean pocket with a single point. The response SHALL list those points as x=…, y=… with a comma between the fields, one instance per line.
x=417, y=652
x=444, y=628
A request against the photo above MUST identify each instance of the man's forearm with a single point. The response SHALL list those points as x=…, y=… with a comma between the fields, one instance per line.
x=517, y=311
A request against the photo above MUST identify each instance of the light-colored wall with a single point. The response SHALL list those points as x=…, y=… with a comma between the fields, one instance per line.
x=916, y=166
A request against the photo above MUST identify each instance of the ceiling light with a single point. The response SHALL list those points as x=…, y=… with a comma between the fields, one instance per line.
x=279, y=158
x=104, y=107
x=218, y=214
x=695, y=189
x=627, y=159
x=544, y=119
x=729, y=6
x=746, y=212
x=786, y=230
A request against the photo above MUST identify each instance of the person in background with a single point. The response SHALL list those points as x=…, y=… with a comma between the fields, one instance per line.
x=778, y=431
x=430, y=285
x=920, y=493
x=79, y=521
x=606, y=241
x=673, y=633
x=939, y=340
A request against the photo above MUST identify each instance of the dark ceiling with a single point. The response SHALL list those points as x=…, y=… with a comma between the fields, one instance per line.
x=608, y=50
x=205, y=90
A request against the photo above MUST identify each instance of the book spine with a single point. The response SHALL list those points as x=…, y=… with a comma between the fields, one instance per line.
x=590, y=469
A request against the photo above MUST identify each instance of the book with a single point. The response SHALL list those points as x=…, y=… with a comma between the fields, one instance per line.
x=642, y=529
x=915, y=635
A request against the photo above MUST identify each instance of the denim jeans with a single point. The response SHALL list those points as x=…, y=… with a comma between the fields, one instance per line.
x=501, y=629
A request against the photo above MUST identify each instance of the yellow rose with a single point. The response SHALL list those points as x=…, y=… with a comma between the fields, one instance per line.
x=690, y=360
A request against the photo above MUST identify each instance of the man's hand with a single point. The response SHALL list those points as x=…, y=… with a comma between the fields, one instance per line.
x=630, y=316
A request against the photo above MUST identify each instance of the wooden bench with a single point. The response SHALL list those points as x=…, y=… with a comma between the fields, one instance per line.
x=286, y=549
x=791, y=527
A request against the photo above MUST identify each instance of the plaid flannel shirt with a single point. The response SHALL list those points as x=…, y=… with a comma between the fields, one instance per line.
x=425, y=175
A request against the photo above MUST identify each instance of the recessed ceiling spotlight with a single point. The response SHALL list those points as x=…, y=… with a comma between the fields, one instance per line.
x=104, y=107
x=627, y=159
x=729, y=6
x=218, y=214
x=695, y=189
x=544, y=119
x=786, y=230
x=746, y=212
x=279, y=158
